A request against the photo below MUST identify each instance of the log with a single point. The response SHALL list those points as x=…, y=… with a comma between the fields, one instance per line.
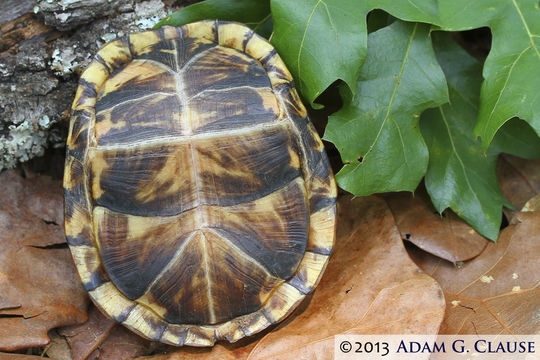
x=44, y=47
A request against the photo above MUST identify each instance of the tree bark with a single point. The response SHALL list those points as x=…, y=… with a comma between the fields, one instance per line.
x=44, y=47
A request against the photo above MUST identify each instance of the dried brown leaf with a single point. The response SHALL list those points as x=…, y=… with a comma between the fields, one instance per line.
x=58, y=348
x=101, y=338
x=39, y=288
x=533, y=204
x=85, y=338
x=121, y=344
x=8, y=356
x=370, y=287
x=497, y=292
x=445, y=236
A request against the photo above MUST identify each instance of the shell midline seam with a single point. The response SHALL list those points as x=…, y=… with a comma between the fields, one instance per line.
x=208, y=281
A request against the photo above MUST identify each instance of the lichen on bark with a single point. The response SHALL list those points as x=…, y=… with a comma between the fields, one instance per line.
x=42, y=54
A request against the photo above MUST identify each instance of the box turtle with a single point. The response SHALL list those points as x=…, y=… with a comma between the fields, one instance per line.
x=199, y=202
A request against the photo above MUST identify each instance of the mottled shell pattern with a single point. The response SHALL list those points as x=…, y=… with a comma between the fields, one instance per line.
x=199, y=202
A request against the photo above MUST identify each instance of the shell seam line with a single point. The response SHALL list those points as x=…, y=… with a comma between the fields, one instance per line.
x=241, y=252
x=208, y=282
x=187, y=138
x=161, y=93
x=298, y=134
x=171, y=262
x=296, y=179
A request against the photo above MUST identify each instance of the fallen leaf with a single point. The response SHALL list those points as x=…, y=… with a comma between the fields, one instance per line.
x=7, y=356
x=497, y=292
x=370, y=287
x=85, y=338
x=121, y=344
x=445, y=236
x=101, y=338
x=221, y=351
x=39, y=288
x=533, y=204
x=519, y=178
x=58, y=348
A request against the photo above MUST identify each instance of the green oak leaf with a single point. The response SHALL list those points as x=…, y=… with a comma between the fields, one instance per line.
x=460, y=175
x=411, y=10
x=516, y=137
x=512, y=69
x=376, y=131
x=253, y=13
x=321, y=41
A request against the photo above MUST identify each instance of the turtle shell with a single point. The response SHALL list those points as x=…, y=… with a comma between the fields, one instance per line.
x=199, y=202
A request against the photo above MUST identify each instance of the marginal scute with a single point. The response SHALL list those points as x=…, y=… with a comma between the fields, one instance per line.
x=277, y=71
x=171, y=32
x=115, y=54
x=145, y=322
x=282, y=302
x=73, y=183
x=258, y=47
x=111, y=301
x=202, y=29
x=322, y=231
x=78, y=229
x=88, y=263
x=233, y=35
x=167, y=191
x=77, y=140
x=323, y=189
x=94, y=75
x=257, y=322
x=309, y=272
x=230, y=330
x=175, y=334
x=141, y=43
x=200, y=336
x=76, y=213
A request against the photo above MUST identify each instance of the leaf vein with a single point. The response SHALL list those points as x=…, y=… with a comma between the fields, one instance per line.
x=533, y=45
x=398, y=81
x=402, y=143
x=304, y=39
x=461, y=95
x=454, y=150
x=262, y=21
x=503, y=88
